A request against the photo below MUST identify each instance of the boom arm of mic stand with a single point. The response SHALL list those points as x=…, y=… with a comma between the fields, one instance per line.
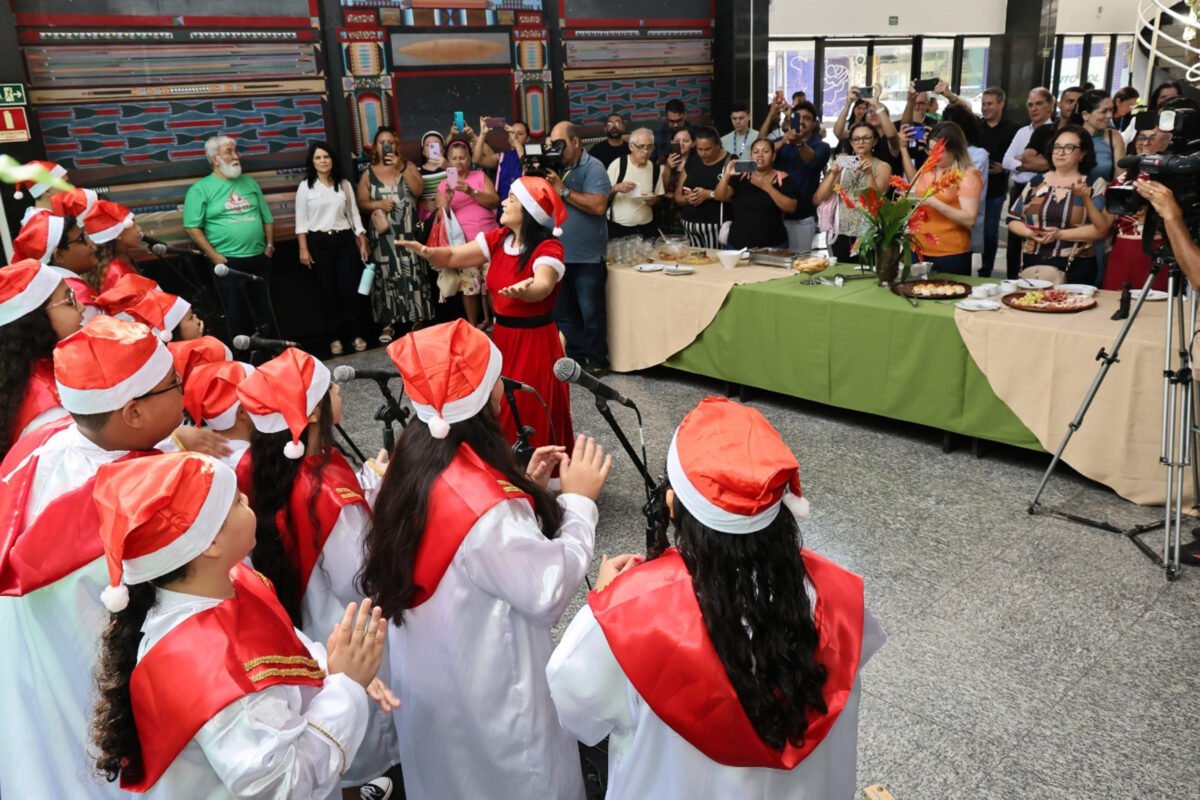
x=522, y=450
x=651, y=485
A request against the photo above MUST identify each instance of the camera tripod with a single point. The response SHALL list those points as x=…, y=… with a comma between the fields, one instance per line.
x=1178, y=418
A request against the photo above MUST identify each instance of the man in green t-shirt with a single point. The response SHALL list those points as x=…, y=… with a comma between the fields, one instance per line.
x=227, y=217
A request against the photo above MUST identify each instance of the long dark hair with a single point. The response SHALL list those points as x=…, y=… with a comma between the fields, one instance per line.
x=272, y=477
x=310, y=175
x=533, y=233
x=1088, y=102
x=400, y=512
x=23, y=342
x=1087, y=147
x=752, y=596
x=113, y=732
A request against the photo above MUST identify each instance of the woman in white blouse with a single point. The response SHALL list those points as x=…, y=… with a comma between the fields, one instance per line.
x=333, y=244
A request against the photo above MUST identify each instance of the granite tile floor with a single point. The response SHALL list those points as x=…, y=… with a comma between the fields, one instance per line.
x=1028, y=657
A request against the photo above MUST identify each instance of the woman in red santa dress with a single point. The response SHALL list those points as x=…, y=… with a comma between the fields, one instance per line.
x=768, y=637
x=312, y=515
x=36, y=311
x=62, y=244
x=523, y=281
x=204, y=687
x=116, y=235
x=473, y=561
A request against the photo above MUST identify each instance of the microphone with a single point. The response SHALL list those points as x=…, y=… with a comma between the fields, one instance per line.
x=1129, y=162
x=224, y=271
x=243, y=342
x=161, y=248
x=568, y=370
x=514, y=385
x=346, y=373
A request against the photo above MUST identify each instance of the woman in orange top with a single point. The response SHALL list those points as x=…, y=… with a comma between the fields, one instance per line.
x=944, y=236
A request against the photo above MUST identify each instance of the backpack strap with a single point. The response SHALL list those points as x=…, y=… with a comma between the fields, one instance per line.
x=622, y=166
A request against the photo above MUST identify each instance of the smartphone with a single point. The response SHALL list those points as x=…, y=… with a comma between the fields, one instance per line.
x=495, y=122
x=675, y=149
x=387, y=148
x=918, y=133
x=459, y=120
x=435, y=149
x=927, y=84
x=452, y=178
x=848, y=161
x=744, y=166
x=866, y=92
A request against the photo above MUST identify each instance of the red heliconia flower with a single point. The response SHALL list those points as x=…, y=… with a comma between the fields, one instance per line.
x=935, y=157
x=918, y=218
x=900, y=185
x=845, y=198
x=870, y=201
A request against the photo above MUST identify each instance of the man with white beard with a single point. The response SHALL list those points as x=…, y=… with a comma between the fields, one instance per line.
x=227, y=217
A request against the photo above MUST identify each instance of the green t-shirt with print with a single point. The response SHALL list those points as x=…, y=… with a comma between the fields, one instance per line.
x=230, y=212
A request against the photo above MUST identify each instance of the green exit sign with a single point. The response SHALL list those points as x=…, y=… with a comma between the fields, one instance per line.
x=12, y=94
x=893, y=21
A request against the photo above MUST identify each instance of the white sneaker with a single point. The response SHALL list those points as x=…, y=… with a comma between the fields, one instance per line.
x=378, y=789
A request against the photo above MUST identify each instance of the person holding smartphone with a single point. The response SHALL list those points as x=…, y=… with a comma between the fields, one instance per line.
x=432, y=169
x=760, y=196
x=695, y=190
x=803, y=155
x=855, y=173
x=508, y=163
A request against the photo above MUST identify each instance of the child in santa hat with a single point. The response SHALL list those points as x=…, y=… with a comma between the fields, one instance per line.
x=118, y=382
x=210, y=398
x=205, y=689
x=61, y=243
x=767, y=637
x=135, y=297
x=37, y=309
x=312, y=515
x=473, y=561
x=41, y=193
x=192, y=353
x=112, y=227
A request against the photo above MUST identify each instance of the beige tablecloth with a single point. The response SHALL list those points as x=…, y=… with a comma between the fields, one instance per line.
x=652, y=316
x=1041, y=366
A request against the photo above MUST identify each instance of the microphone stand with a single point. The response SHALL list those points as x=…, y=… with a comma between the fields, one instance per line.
x=522, y=449
x=350, y=442
x=390, y=411
x=651, y=510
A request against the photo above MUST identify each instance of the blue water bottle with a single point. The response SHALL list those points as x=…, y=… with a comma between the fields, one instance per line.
x=368, y=278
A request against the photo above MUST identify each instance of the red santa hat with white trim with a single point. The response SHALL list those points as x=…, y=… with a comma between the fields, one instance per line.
x=210, y=393
x=34, y=188
x=539, y=199
x=449, y=371
x=106, y=221
x=157, y=514
x=283, y=393
x=731, y=469
x=136, y=297
x=24, y=286
x=41, y=231
x=107, y=363
x=192, y=353
x=77, y=203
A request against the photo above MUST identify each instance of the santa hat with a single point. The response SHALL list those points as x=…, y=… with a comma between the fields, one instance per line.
x=731, y=469
x=192, y=353
x=539, y=199
x=210, y=393
x=107, y=363
x=39, y=237
x=35, y=188
x=283, y=393
x=158, y=514
x=449, y=371
x=136, y=297
x=106, y=221
x=77, y=203
x=24, y=286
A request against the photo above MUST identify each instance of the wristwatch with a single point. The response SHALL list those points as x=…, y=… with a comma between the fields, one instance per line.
x=564, y=193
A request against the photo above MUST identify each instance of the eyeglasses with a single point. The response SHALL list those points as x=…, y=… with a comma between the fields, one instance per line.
x=69, y=300
x=1066, y=149
x=175, y=384
x=863, y=139
x=1145, y=139
x=645, y=147
x=83, y=239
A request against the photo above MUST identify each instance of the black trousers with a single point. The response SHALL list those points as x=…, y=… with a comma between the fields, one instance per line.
x=337, y=268
x=1013, y=253
x=248, y=303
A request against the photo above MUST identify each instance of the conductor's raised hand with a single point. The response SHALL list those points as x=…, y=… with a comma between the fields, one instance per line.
x=586, y=470
x=409, y=244
x=355, y=648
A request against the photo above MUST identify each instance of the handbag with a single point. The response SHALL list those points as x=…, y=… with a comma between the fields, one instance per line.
x=454, y=232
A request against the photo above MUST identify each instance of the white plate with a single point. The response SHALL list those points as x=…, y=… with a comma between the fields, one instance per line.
x=975, y=304
x=1077, y=288
x=678, y=270
x=1154, y=296
x=1033, y=283
x=649, y=267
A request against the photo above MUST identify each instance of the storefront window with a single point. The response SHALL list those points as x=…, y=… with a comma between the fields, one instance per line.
x=973, y=79
x=791, y=66
x=845, y=67
x=1123, y=62
x=893, y=71
x=1097, y=72
x=937, y=59
x=1071, y=72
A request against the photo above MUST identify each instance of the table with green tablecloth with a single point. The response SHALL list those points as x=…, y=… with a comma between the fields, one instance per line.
x=857, y=346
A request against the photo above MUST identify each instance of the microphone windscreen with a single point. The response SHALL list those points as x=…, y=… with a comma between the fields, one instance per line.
x=343, y=373
x=241, y=342
x=158, y=249
x=221, y=270
x=566, y=370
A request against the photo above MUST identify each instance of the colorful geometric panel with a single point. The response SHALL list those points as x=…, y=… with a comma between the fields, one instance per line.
x=182, y=9
x=637, y=52
x=442, y=49
x=134, y=65
x=637, y=99
x=90, y=137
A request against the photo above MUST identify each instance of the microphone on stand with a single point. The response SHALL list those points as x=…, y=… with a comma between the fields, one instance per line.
x=161, y=248
x=346, y=373
x=243, y=342
x=225, y=271
x=514, y=385
x=568, y=370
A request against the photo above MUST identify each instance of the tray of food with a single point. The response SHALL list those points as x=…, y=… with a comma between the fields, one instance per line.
x=932, y=290
x=696, y=258
x=1049, y=301
x=772, y=257
x=810, y=265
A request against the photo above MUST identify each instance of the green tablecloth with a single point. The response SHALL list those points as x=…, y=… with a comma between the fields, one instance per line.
x=857, y=346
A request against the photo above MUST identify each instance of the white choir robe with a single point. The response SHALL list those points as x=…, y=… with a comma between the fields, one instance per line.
x=47, y=416
x=647, y=759
x=263, y=745
x=49, y=641
x=469, y=664
x=237, y=449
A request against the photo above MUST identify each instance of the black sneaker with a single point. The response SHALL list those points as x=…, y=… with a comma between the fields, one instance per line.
x=378, y=789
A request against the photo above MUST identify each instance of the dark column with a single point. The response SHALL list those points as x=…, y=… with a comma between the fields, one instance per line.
x=337, y=120
x=1028, y=50
x=740, y=59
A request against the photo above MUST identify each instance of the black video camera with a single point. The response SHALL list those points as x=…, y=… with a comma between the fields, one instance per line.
x=1176, y=169
x=539, y=160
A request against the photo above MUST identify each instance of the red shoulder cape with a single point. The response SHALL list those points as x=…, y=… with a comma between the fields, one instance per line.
x=213, y=658
x=40, y=395
x=63, y=538
x=337, y=489
x=653, y=624
x=117, y=269
x=463, y=493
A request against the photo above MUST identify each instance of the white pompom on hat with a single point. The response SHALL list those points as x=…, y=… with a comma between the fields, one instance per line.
x=539, y=199
x=283, y=393
x=449, y=371
x=732, y=470
x=34, y=188
x=157, y=514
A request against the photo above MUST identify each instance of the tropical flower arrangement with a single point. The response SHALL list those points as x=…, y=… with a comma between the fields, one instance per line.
x=890, y=239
